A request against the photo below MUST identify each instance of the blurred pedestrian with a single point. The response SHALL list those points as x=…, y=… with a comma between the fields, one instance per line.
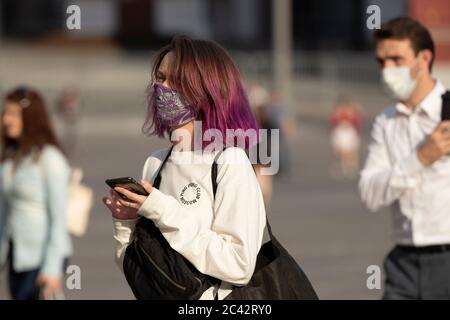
x=259, y=99
x=408, y=167
x=345, y=125
x=279, y=118
x=34, y=180
x=220, y=233
x=68, y=109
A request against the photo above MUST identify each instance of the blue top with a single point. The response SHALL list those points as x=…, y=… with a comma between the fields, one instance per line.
x=32, y=212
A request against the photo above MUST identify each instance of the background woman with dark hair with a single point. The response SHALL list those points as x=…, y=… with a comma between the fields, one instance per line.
x=34, y=181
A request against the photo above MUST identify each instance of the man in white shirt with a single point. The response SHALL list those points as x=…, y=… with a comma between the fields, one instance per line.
x=408, y=167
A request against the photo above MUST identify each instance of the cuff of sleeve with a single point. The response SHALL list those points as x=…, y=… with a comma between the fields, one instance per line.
x=152, y=206
x=53, y=268
x=408, y=168
x=124, y=228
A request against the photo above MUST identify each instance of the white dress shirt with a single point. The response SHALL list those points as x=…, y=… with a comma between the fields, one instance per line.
x=393, y=176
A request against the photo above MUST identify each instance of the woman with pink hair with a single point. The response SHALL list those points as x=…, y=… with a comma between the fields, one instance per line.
x=220, y=232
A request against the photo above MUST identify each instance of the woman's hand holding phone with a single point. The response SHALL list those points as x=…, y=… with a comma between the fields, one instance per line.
x=126, y=209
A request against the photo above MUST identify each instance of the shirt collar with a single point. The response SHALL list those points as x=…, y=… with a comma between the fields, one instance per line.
x=431, y=104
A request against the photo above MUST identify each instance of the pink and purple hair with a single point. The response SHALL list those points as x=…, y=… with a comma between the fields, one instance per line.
x=206, y=76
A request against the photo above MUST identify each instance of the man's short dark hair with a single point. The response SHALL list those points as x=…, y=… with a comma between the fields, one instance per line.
x=406, y=28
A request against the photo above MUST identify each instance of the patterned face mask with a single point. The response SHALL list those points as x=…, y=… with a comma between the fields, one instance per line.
x=171, y=110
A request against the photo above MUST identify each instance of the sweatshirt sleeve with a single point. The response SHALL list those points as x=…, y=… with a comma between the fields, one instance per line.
x=123, y=229
x=228, y=249
x=383, y=181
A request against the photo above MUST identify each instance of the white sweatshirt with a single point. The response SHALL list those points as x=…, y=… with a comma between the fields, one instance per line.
x=220, y=238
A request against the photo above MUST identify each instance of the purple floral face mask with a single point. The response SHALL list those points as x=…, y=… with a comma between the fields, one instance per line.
x=171, y=110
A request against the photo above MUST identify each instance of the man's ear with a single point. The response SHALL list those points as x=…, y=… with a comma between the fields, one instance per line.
x=426, y=56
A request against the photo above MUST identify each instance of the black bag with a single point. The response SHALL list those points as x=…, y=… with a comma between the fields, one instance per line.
x=154, y=270
x=277, y=276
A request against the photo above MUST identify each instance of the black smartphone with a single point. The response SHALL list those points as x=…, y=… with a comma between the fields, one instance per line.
x=127, y=183
x=445, y=114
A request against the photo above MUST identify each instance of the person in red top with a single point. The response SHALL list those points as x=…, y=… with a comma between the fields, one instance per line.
x=345, y=125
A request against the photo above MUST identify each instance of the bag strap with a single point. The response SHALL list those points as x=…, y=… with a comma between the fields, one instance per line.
x=214, y=185
x=214, y=173
x=157, y=180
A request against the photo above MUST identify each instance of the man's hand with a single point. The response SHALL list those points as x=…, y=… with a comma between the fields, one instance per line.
x=437, y=145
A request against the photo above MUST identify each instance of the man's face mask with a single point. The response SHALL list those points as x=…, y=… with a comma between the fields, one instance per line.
x=170, y=109
x=399, y=82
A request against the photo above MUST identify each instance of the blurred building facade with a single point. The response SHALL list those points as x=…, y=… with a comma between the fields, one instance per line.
x=435, y=15
x=238, y=24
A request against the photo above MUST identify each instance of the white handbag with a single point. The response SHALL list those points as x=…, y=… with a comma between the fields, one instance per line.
x=79, y=204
